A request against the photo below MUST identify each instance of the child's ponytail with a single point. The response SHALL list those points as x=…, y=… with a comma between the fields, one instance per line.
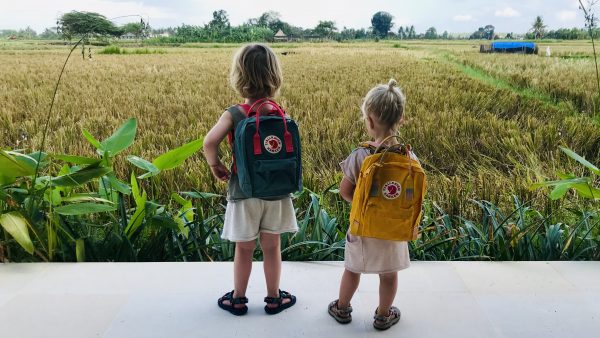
x=392, y=84
x=386, y=104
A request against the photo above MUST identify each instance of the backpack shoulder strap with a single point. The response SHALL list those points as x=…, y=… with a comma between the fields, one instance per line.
x=368, y=146
x=237, y=113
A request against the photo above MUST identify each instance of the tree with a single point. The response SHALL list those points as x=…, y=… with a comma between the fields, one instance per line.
x=412, y=34
x=220, y=20
x=401, y=33
x=382, y=23
x=489, y=32
x=538, y=28
x=431, y=33
x=49, y=34
x=353, y=34
x=445, y=35
x=85, y=25
x=325, y=29
x=268, y=18
x=486, y=32
x=138, y=29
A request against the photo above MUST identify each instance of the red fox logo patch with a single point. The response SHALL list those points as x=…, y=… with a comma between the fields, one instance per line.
x=391, y=190
x=273, y=144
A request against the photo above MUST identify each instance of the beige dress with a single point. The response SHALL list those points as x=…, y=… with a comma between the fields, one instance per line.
x=370, y=255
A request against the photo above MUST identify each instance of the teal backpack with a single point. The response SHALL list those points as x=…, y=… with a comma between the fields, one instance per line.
x=267, y=154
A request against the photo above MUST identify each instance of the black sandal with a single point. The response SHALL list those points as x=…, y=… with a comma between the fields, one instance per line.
x=238, y=311
x=279, y=301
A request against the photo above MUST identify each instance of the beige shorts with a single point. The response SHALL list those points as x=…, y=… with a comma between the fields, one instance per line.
x=246, y=219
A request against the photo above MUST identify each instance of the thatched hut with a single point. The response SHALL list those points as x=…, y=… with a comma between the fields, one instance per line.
x=280, y=36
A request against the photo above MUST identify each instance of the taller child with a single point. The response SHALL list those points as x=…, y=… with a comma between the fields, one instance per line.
x=255, y=75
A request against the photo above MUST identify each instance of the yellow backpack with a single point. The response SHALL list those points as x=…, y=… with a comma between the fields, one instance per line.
x=389, y=194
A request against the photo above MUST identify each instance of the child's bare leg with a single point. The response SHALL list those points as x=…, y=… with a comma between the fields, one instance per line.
x=242, y=266
x=388, y=285
x=348, y=286
x=271, y=247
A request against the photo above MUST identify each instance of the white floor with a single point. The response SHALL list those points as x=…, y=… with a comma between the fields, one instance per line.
x=437, y=299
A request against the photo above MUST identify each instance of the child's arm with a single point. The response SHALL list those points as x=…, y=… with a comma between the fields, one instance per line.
x=211, y=146
x=347, y=189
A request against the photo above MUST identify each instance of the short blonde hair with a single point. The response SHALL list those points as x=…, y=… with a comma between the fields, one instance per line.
x=255, y=72
x=385, y=103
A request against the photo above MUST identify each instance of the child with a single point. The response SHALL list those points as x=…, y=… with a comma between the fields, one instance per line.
x=383, y=113
x=255, y=74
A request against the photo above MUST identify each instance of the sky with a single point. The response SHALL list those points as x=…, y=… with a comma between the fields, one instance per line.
x=455, y=16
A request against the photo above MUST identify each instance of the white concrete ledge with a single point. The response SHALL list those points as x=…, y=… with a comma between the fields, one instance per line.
x=437, y=299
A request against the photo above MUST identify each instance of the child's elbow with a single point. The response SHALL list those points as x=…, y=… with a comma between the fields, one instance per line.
x=208, y=144
x=347, y=195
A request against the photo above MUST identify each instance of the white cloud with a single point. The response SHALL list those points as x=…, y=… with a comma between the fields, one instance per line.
x=507, y=12
x=463, y=17
x=566, y=15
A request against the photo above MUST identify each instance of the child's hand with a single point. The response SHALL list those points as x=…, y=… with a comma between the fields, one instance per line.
x=220, y=172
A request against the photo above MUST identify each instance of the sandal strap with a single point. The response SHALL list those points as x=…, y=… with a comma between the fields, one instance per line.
x=278, y=300
x=381, y=318
x=345, y=311
x=238, y=300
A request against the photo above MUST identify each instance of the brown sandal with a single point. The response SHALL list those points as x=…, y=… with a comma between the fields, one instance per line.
x=343, y=316
x=385, y=322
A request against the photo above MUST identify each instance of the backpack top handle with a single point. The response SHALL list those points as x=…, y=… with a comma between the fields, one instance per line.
x=387, y=150
x=289, y=146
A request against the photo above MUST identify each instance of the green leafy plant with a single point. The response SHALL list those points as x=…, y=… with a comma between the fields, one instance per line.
x=583, y=186
x=71, y=219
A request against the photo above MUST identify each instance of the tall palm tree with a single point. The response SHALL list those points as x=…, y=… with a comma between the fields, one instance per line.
x=538, y=28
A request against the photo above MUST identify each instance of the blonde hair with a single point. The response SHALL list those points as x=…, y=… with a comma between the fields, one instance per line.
x=385, y=103
x=255, y=72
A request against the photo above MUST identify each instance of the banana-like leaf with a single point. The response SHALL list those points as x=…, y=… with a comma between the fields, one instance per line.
x=200, y=195
x=118, y=185
x=122, y=138
x=140, y=199
x=185, y=231
x=581, y=160
x=76, y=159
x=84, y=209
x=559, y=191
x=144, y=165
x=175, y=157
x=85, y=198
x=559, y=182
x=17, y=226
x=80, y=250
x=16, y=165
x=6, y=180
x=80, y=177
x=92, y=140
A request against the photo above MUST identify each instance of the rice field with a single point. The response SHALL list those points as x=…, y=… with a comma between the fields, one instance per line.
x=485, y=126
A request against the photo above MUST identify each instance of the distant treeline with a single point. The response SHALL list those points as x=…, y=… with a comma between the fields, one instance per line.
x=264, y=28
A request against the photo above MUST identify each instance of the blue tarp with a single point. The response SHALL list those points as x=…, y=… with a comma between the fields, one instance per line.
x=514, y=47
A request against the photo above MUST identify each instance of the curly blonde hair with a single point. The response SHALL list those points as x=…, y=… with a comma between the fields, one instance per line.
x=255, y=72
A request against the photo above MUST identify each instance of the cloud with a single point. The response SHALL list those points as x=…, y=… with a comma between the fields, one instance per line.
x=507, y=12
x=463, y=17
x=566, y=15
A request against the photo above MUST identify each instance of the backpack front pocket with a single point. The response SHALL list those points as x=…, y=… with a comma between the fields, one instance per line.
x=274, y=177
x=388, y=222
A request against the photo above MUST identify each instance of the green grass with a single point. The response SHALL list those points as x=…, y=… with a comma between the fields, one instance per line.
x=137, y=51
x=525, y=92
